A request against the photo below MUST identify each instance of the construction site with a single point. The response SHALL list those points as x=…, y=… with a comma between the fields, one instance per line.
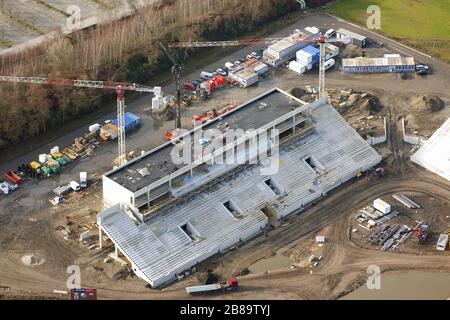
x=280, y=171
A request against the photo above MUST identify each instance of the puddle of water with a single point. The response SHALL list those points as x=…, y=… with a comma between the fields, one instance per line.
x=276, y=262
x=414, y=285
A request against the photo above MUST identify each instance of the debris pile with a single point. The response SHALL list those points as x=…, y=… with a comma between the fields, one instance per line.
x=428, y=103
x=352, y=51
x=32, y=260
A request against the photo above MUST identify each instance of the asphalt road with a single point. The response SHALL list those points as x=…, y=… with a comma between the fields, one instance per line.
x=152, y=131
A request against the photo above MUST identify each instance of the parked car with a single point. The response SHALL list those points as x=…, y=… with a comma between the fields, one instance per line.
x=196, y=83
x=422, y=69
x=256, y=56
x=249, y=56
x=222, y=72
x=206, y=75
x=189, y=86
x=229, y=65
x=330, y=33
x=236, y=63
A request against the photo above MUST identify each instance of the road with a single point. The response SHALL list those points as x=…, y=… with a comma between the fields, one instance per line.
x=348, y=260
x=343, y=263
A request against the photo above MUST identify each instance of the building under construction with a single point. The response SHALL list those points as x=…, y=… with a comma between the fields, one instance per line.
x=166, y=218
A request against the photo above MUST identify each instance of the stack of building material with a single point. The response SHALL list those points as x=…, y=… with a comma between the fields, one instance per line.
x=405, y=201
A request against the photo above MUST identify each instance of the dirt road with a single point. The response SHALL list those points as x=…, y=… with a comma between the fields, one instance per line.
x=344, y=262
x=27, y=225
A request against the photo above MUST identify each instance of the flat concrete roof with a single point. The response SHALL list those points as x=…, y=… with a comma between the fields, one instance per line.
x=160, y=247
x=250, y=115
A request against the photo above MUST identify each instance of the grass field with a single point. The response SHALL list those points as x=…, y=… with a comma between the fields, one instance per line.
x=424, y=24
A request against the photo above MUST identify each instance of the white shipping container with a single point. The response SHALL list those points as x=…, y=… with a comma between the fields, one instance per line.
x=304, y=56
x=382, y=206
x=297, y=67
x=261, y=68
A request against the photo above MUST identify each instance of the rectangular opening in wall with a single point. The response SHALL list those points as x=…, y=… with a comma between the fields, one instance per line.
x=274, y=186
x=190, y=231
x=314, y=164
x=233, y=209
x=285, y=133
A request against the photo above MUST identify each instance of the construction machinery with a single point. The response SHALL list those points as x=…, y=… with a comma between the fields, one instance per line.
x=231, y=284
x=176, y=66
x=119, y=87
x=321, y=40
x=423, y=229
x=13, y=177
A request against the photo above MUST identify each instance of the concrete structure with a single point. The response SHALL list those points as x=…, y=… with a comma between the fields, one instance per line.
x=357, y=39
x=187, y=215
x=387, y=64
x=435, y=153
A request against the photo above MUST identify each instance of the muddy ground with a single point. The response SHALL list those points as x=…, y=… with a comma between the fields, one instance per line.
x=30, y=226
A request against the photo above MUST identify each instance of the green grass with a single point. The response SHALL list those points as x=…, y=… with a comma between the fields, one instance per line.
x=423, y=24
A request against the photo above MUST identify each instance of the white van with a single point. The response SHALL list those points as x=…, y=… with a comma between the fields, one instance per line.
x=329, y=63
x=330, y=33
x=229, y=65
x=206, y=75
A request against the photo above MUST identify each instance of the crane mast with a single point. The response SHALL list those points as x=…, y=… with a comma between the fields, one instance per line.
x=176, y=67
x=119, y=87
x=268, y=41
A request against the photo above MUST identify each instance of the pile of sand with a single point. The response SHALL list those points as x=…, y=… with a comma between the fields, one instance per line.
x=298, y=92
x=427, y=103
x=364, y=102
x=352, y=51
x=32, y=260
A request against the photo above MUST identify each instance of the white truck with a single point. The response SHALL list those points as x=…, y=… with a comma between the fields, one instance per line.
x=83, y=179
x=74, y=185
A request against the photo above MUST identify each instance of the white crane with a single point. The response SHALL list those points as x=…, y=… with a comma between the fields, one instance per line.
x=119, y=87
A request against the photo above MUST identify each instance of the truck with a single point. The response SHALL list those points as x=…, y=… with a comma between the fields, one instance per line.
x=12, y=177
x=6, y=187
x=230, y=285
x=83, y=179
x=74, y=185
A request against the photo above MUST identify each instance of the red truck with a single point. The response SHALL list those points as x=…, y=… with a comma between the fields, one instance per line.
x=12, y=177
x=231, y=284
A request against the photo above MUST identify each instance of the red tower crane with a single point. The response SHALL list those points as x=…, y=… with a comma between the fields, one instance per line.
x=119, y=87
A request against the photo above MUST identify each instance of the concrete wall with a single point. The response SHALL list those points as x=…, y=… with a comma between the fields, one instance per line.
x=113, y=193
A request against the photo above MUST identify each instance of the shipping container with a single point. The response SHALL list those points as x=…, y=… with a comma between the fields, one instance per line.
x=297, y=67
x=261, y=68
x=132, y=121
x=357, y=39
x=382, y=206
